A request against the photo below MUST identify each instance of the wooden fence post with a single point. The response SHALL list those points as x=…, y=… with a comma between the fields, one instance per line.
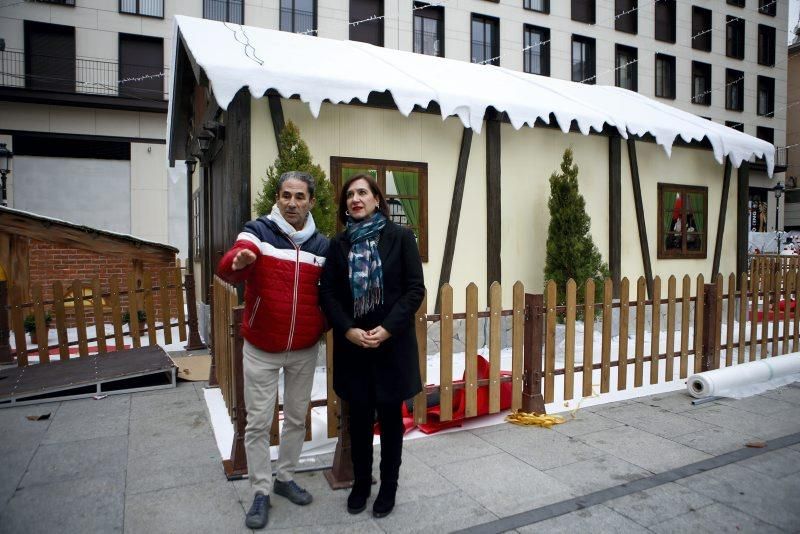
x=236, y=467
x=340, y=475
x=194, y=341
x=709, y=312
x=532, y=398
x=212, y=372
x=5, y=347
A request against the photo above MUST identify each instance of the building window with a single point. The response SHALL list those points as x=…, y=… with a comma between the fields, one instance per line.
x=485, y=40
x=141, y=57
x=766, y=96
x=737, y=3
x=299, y=16
x=147, y=8
x=701, y=29
x=536, y=57
x=584, y=11
x=429, y=29
x=701, y=83
x=49, y=57
x=405, y=185
x=626, y=16
x=542, y=6
x=682, y=221
x=765, y=134
x=224, y=10
x=766, y=45
x=734, y=90
x=739, y=126
x=626, y=71
x=583, y=63
x=367, y=32
x=665, y=20
x=734, y=40
x=665, y=76
x=767, y=7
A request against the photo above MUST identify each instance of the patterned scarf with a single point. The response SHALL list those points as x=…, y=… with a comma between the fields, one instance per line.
x=366, y=272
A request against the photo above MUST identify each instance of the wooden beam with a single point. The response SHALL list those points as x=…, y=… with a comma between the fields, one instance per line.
x=615, y=209
x=742, y=217
x=455, y=213
x=493, y=204
x=723, y=209
x=640, y=222
x=276, y=112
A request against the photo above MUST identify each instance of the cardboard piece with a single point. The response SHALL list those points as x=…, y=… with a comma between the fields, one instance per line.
x=193, y=368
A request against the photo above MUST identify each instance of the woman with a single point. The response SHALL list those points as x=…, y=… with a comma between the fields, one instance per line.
x=371, y=287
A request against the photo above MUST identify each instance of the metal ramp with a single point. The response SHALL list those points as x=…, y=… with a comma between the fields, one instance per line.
x=123, y=371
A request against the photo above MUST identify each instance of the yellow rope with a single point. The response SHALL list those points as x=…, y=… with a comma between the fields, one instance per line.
x=534, y=419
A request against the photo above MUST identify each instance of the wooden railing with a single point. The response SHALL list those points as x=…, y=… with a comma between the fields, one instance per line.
x=159, y=295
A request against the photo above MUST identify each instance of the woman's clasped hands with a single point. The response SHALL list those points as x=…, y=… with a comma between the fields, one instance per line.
x=368, y=339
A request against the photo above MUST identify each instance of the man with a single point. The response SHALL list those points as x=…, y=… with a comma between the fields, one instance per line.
x=280, y=258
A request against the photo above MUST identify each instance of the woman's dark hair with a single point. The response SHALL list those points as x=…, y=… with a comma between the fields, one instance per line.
x=374, y=187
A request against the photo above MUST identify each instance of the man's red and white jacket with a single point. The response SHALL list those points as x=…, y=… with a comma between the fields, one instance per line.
x=282, y=310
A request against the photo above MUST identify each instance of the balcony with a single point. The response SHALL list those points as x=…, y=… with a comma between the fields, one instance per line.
x=781, y=161
x=81, y=81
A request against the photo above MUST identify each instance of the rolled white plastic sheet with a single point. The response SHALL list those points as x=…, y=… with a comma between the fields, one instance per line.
x=719, y=381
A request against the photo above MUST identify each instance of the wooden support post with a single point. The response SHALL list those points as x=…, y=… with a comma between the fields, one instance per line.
x=532, y=398
x=276, y=113
x=723, y=209
x=640, y=221
x=709, y=312
x=615, y=210
x=236, y=467
x=212, y=372
x=194, y=342
x=742, y=219
x=340, y=476
x=494, y=218
x=5, y=329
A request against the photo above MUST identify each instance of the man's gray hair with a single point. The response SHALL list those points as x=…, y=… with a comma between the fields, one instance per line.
x=304, y=177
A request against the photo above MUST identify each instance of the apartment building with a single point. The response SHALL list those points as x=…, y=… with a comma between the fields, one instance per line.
x=83, y=83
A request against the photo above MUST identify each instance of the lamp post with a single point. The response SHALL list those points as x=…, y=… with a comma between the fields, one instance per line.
x=778, y=190
x=5, y=157
x=194, y=341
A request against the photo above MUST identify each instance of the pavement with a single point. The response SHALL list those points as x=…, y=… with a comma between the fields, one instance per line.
x=147, y=462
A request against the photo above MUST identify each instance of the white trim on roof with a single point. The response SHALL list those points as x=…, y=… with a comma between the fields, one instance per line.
x=319, y=69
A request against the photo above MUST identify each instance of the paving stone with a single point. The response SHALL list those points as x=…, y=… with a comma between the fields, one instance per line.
x=596, y=519
x=86, y=505
x=584, y=422
x=169, y=429
x=503, y=484
x=205, y=507
x=762, y=426
x=14, y=464
x=173, y=466
x=82, y=419
x=658, y=421
x=761, y=405
x=778, y=464
x=451, y=447
x=609, y=405
x=714, y=519
x=714, y=440
x=443, y=513
x=651, y=452
x=77, y=459
x=785, y=393
x=541, y=447
x=659, y=504
x=418, y=479
x=677, y=402
x=165, y=403
x=27, y=434
x=766, y=498
x=597, y=473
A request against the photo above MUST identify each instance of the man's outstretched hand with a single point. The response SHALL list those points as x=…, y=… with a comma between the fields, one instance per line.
x=243, y=258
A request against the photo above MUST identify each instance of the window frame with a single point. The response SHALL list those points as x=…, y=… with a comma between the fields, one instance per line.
x=736, y=3
x=766, y=133
x=138, y=11
x=227, y=3
x=338, y=163
x=736, y=125
x=307, y=31
x=735, y=37
x=427, y=12
x=149, y=89
x=766, y=33
x=628, y=23
x=494, y=45
x=770, y=83
x=672, y=82
x=768, y=7
x=544, y=49
x=702, y=25
x=684, y=252
x=583, y=11
x=633, y=66
x=734, y=78
x=589, y=78
x=363, y=32
x=667, y=35
x=526, y=4
x=704, y=98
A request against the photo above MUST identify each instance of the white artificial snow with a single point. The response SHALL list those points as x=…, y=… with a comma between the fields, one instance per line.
x=318, y=69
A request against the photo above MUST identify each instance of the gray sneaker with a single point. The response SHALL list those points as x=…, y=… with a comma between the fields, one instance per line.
x=258, y=515
x=292, y=491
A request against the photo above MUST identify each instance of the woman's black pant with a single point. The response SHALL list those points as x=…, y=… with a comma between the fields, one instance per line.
x=362, y=421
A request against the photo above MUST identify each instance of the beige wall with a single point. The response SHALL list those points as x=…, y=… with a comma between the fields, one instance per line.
x=793, y=113
x=149, y=192
x=529, y=156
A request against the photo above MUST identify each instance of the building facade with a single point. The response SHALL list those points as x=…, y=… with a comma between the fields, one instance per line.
x=84, y=83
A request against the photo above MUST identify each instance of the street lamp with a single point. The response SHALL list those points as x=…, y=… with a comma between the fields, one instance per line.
x=5, y=157
x=778, y=190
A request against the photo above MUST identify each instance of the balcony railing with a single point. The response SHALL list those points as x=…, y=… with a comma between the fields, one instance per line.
x=781, y=160
x=81, y=75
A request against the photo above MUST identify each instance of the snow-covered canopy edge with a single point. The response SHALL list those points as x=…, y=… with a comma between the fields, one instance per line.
x=318, y=69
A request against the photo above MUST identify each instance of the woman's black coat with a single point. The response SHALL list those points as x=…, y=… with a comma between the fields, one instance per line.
x=391, y=370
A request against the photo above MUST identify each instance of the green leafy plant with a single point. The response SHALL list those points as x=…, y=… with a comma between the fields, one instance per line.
x=140, y=314
x=29, y=323
x=571, y=252
x=295, y=156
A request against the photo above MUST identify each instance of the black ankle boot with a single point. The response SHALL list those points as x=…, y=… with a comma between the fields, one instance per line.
x=357, y=500
x=384, y=503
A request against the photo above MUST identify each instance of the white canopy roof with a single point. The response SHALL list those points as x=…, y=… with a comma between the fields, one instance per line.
x=319, y=69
